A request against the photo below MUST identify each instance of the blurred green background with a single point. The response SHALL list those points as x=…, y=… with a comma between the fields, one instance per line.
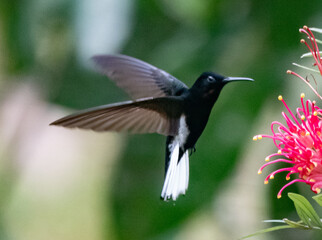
x=70, y=184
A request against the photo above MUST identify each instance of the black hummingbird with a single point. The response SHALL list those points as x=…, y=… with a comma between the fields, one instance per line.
x=161, y=104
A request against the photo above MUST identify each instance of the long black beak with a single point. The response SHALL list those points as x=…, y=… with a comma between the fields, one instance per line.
x=230, y=79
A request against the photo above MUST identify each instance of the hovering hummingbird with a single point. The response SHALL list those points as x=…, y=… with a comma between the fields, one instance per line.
x=161, y=104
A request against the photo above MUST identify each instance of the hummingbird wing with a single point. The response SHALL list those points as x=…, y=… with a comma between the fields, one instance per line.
x=139, y=79
x=158, y=115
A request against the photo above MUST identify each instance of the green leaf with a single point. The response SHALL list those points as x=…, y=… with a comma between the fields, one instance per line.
x=296, y=224
x=308, y=54
x=305, y=210
x=318, y=199
x=318, y=30
x=318, y=41
x=267, y=230
x=304, y=67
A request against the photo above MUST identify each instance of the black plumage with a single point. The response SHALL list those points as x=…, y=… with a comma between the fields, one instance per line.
x=161, y=104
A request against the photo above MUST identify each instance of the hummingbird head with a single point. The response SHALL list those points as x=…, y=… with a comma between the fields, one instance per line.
x=209, y=84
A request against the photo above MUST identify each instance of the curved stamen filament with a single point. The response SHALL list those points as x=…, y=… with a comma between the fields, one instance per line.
x=304, y=80
x=279, y=195
x=316, y=47
x=290, y=112
x=275, y=161
x=299, y=144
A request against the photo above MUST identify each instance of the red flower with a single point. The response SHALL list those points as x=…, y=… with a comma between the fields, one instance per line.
x=299, y=143
x=314, y=49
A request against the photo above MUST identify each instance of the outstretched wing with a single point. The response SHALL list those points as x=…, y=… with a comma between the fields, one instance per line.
x=139, y=79
x=160, y=115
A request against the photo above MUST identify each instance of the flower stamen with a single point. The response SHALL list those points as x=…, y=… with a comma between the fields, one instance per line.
x=298, y=144
x=313, y=48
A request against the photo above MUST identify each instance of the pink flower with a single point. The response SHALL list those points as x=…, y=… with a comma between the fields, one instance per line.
x=299, y=144
x=312, y=45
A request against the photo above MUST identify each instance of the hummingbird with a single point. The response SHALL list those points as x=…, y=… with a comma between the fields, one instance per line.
x=160, y=104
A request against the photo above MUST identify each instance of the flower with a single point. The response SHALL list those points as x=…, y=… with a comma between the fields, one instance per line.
x=312, y=45
x=299, y=144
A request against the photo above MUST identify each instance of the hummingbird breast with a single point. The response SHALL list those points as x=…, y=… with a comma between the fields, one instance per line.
x=196, y=119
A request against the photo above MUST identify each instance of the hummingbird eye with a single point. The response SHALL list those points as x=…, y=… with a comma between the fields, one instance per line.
x=210, y=79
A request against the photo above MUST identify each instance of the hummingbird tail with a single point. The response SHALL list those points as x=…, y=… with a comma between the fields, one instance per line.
x=177, y=176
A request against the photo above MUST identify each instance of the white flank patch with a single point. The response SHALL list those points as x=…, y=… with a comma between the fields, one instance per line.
x=183, y=130
x=177, y=177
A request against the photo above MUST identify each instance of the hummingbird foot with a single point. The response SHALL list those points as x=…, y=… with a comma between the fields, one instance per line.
x=192, y=150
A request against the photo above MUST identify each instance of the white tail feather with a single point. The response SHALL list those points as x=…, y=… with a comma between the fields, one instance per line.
x=177, y=177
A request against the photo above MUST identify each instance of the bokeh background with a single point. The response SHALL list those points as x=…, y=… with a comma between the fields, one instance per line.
x=66, y=184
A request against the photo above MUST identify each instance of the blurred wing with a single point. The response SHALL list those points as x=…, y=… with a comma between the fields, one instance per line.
x=139, y=79
x=160, y=115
